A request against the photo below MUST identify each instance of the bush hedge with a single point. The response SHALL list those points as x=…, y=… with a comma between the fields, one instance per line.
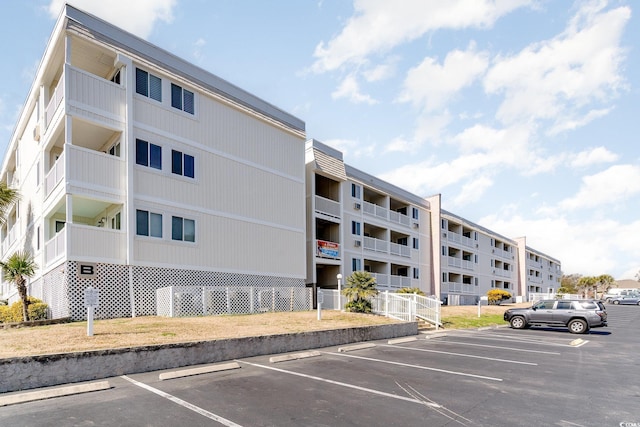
x=36, y=310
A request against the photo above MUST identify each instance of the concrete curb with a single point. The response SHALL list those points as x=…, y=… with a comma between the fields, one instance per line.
x=14, y=399
x=25, y=373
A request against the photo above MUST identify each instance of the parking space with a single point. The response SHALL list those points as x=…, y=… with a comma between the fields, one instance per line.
x=493, y=377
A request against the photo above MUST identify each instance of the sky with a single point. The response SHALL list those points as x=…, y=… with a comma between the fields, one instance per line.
x=523, y=114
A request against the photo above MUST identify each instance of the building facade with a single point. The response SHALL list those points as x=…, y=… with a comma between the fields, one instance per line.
x=138, y=170
x=357, y=222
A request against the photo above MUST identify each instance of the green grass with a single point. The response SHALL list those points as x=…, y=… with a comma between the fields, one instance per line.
x=466, y=322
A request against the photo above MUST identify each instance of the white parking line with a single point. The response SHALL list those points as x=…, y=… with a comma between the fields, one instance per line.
x=524, y=350
x=512, y=338
x=183, y=403
x=341, y=384
x=461, y=355
x=426, y=368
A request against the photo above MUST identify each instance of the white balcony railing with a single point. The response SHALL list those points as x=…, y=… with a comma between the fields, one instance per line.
x=101, y=95
x=88, y=241
x=454, y=262
x=54, y=176
x=377, y=245
x=401, y=250
x=327, y=207
x=54, y=102
x=55, y=247
x=459, y=288
x=399, y=218
x=375, y=210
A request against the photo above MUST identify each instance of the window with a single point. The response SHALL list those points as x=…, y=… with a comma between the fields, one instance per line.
x=148, y=154
x=59, y=226
x=182, y=164
x=183, y=229
x=116, y=221
x=355, y=228
x=38, y=238
x=443, y=224
x=475, y=258
x=444, y=250
x=444, y=278
x=115, y=150
x=38, y=173
x=414, y=213
x=356, y=264
x=416, y=273
x=182, y=99
x=148, y=224
x=116, y=77
x=415, y=243
x=355, y=191
x=475, y=281
x=148, y=85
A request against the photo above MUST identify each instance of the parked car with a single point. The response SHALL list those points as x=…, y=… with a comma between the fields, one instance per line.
x=626, y=299
x=577, y=315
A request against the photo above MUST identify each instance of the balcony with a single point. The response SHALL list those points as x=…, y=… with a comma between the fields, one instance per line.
x=459, y=238
x=384, y=213
x=502, y=273
x=8, y=241
x=327, y=207
x=89, y=95
x=377, y=245
x=401, y=250
x=390, y=281
x=87, y=167
x=458, y=288
x=81, y=241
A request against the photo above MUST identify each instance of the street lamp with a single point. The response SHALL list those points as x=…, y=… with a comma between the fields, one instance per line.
x=339, y=277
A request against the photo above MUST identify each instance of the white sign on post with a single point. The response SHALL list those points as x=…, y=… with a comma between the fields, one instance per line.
x=319, y=301
x=91, y=301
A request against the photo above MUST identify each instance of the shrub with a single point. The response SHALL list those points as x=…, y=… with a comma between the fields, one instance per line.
x=37, y=310
x=411, y=291
x=496, y=296
x=358, y=306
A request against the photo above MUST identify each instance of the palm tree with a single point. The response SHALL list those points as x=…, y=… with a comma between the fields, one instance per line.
x=8, y=196
x=17, y=269
x=360, y=286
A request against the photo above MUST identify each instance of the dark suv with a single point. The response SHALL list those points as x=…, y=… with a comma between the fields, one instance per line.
x=577, y=315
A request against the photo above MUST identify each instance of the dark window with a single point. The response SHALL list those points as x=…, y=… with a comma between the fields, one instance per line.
x=148, y=224
x=182, y=99
x=183, y=229
x=182, y=164
x=148, y=154
x=148, y=85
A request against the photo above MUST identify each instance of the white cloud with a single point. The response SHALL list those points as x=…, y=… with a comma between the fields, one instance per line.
x=350, y=89
x=587, y=247
x=351, y=148
x=432, y=85
x=473, y=190
x=379, y=25
x=616, y=184
x=197, y=48
x=137, y=17
x=592, y=157
x=381, y=72
x=555, y=79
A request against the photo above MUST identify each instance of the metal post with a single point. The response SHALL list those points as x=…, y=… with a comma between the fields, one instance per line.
x=339, y=277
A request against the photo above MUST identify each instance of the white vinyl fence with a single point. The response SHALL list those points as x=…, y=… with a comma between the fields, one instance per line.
x=179, y=301
x=533, y=297
x=406, y=307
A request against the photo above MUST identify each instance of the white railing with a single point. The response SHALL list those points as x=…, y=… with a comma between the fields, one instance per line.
x=54, y=102
x=402, y=250
x=96, y=242
x=377, y=245
x=54, y=176
x=94, y=91
x=91, y=167
x=180, y=301
x=454, y=262
x=375, y=210
x=327, y=207
x=405, y=307
x=503, y=273
x=399, y=218
x=468, y=265
x=537, y=296
x=55, y=247
x=456, y=287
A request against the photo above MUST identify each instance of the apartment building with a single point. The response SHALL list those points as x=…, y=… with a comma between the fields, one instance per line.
x=539, y=272
x=357, y=222
x=139, y=170
x=473, y=260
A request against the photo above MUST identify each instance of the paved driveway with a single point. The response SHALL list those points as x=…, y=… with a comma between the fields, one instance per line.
x=498, y=377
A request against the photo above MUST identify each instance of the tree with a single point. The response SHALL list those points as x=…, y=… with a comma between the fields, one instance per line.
x=586, y=283
x=604, y=283
x=360, y=286
x=8, y=196
x=17, y=269
x=569, y=283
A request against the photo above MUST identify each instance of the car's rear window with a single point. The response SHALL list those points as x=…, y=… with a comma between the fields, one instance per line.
x=588, y=305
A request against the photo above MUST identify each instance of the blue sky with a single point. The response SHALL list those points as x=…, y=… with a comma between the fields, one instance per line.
x=523, y=114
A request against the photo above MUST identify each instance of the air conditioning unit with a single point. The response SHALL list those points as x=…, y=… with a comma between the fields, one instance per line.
x=357, y=243
x=356, y=205
x=36, y=132
x=416, y=225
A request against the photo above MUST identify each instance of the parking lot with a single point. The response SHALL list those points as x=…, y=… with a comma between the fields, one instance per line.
x=496, y=377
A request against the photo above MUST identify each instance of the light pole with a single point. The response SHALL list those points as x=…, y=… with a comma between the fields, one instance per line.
x=339, y=277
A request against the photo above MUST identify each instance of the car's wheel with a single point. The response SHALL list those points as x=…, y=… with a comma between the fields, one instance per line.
x=616, y=302
x=517, y=322
x=577, y=326
x=638, y=302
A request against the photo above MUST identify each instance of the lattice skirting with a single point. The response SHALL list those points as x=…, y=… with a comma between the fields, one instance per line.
x=63, y=289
